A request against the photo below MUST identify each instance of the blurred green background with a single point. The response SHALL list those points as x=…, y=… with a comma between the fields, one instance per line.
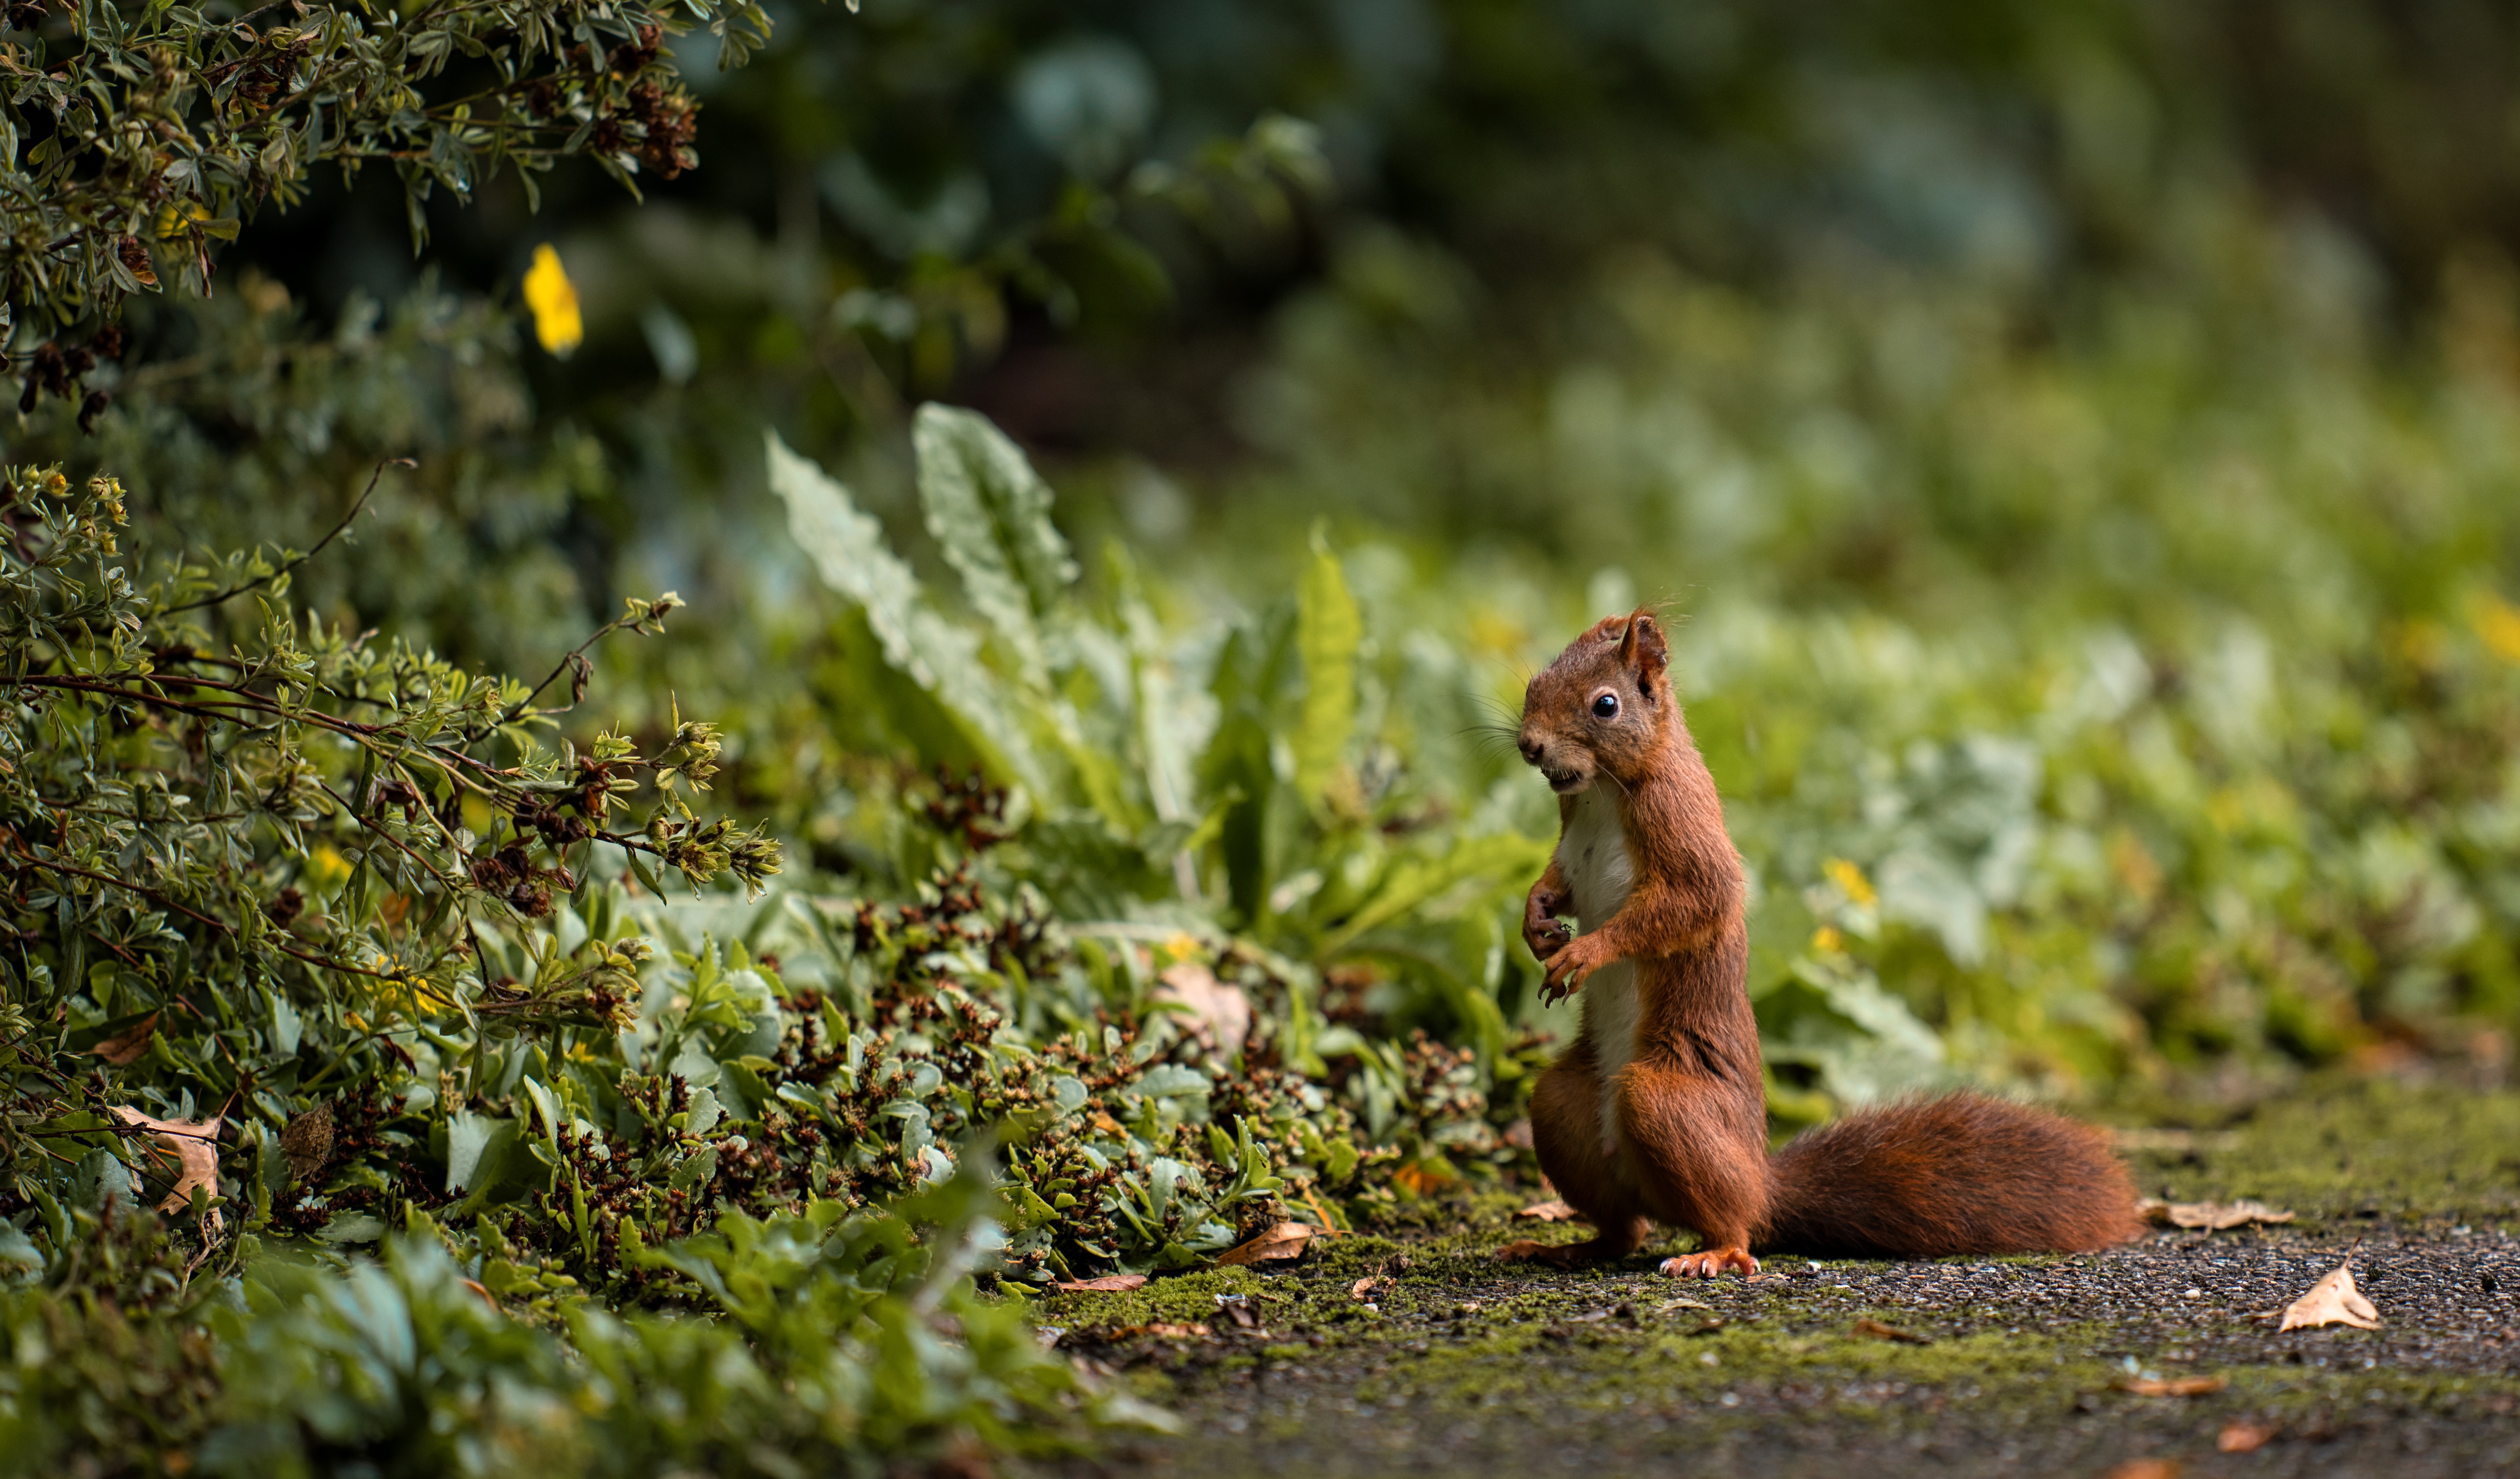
x=2077, y=443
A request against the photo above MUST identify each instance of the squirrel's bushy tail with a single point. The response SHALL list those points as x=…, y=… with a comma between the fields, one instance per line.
x=1961, y=1174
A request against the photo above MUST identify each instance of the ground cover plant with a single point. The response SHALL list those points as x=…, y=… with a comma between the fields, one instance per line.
x=620, y=859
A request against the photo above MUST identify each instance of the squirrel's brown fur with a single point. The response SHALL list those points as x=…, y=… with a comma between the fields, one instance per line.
x=1659, y=1112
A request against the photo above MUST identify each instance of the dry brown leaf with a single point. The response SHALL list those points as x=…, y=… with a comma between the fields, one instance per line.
x=1220, y=1015
x=1551, y=1211
x=2332, y=1300
x=2243, y=1438
x=2216, y=1217
x=1364, y=1286
x=193, y=1148
x=1328, y=1227
x=1282, y=1241
x=2174, y=1386
x=121, y=1049
x=1421, y=1180
x=1879, y=1331
x=1112, y=1282
x=1168, y=1331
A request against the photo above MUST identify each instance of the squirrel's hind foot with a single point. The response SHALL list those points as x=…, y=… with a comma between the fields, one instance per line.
x=1711, y=1263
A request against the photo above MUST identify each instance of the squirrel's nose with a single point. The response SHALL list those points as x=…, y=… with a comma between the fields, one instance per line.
x=1531, y=752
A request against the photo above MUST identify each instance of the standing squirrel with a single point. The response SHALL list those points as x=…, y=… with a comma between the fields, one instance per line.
x=1659, y=1112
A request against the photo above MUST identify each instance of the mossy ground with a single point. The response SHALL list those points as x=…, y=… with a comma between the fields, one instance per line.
x=1453, y=1362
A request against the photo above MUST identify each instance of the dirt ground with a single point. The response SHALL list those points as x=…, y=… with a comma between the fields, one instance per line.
x=1450, y=1363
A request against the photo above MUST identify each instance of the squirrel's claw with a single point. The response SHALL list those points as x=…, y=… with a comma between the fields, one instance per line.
x=1542, y=932
x=1569, y=966
x=1546, y=939
x=1711, y=1263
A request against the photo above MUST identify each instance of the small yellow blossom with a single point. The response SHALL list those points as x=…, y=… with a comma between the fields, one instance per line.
x=2497, y=624
x=1850, y=879
x=325, y=868
x=553, y=299
x=1826, y=940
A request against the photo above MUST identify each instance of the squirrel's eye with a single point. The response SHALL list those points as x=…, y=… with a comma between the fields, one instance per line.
x=1606, y=706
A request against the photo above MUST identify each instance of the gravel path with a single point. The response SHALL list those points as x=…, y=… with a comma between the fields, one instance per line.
x=1454, y=1364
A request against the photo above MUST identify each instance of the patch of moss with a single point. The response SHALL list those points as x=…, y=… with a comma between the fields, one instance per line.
x=2346, y=1149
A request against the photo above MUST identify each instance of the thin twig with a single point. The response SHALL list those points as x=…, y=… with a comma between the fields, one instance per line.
x=574, y=653
x=346, y=520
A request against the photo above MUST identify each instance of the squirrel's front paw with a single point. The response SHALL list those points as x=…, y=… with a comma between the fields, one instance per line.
x=1569, y=966
x=1542, y=933
x=1544, y=937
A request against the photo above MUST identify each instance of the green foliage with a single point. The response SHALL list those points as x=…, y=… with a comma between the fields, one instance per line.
x=137, y=139
x=1269, y=810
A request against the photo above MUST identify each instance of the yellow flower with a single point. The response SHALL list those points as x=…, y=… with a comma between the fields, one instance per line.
x=2497, y=624
x=1850, y=880
x=553, y=299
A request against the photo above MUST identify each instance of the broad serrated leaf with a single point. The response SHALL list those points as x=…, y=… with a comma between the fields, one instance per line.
x=849, y=550
x=1328, y=631
x=990, y=514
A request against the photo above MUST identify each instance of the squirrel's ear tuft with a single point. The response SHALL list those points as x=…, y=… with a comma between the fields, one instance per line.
x=1642, y=649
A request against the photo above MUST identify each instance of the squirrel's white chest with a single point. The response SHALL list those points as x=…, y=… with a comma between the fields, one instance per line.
x=1592, y=857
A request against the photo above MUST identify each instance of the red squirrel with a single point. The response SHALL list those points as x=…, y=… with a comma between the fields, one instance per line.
x=1657, y=1113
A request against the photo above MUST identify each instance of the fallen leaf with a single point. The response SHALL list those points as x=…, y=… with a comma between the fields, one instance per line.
x=1105, y=1123
x=128, y=1044
x=1240, y=1310
x=1551, y=1211
x=1879, y=1331
x=1111, y=1282
x=1114, y=1334
x=1669, y=1304
x=1419, y=1179
x=1328, y=1227
x=2243, y=1438
x=1284, y=1240
x=1364, y=1286
x=2173, y=1386
x=1220, y=1015
x=2332, y=1300
x=194, y=1146
x=2214, y=1217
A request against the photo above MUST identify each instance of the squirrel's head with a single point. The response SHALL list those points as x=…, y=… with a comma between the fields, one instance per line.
x=1603, y=705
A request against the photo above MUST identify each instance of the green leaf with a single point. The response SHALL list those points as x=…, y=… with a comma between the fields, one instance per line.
x=990, y=514
x=1329, y=633
x=1413, y=883
x=847, y=547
